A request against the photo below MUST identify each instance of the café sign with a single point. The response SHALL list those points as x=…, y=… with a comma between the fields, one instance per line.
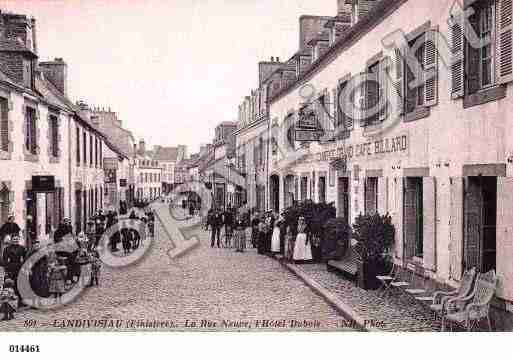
x=384, y=146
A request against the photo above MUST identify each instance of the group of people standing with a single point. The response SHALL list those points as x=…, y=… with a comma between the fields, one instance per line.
x=56, y=272
x=269, y=233
x=234, y=222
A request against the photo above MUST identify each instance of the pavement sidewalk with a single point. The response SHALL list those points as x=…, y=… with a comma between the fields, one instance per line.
x=371, y=312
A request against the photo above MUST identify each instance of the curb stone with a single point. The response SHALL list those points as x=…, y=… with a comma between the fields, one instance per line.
x=329, y=297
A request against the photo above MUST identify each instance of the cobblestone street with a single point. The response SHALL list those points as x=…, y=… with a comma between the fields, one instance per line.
x=214, y=285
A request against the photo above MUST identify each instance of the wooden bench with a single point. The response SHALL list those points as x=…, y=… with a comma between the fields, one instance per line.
x=348, y=265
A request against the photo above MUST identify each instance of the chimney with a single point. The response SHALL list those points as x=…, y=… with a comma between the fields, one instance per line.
x=142, y=147
x=344, y=8
x=34, y=37
x=57, y=73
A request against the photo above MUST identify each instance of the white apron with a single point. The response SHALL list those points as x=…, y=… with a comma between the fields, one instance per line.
x=302, y=251
x=275, y=242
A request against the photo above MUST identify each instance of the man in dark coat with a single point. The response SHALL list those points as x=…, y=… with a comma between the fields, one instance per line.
x=216, y=228
x=255, y=230
x=210, y=216
x=14, y=256
x=228, y=224
x=9, y=228
x=62, y=230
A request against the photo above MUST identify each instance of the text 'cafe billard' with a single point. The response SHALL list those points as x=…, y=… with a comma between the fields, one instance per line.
x=381, y=146
x=370, y=159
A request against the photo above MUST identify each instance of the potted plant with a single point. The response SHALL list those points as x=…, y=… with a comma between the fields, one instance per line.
x=374, y=235
x=336, y=238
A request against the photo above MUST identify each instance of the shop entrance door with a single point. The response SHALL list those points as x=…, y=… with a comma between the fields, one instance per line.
x=31, y=221
x=480, y=223
x=343, y=198
x=413, y=217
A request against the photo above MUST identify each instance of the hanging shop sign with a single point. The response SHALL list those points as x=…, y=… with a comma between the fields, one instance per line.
x=307, y=135
x=110, y=163
x=43, y=183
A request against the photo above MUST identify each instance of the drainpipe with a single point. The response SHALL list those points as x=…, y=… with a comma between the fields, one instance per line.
x=69, y=171
x=267, y=164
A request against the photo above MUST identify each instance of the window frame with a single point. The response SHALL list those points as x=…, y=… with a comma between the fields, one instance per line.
x=53, y=122
x=31, y=143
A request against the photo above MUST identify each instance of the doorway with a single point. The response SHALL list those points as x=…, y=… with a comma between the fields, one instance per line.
x=275, y=193
x=343, y=198
x=322, y=189
x=480, y=223
x=413, y=217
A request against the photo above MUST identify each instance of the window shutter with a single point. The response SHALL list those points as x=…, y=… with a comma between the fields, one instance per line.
x=473, y=60
x=327, y=113
x=26, y=114
x=431, y=69
x=429, y=208
x=371, y=99
x=4, y=125
x=472, y=226
x=349, y=116
x=30, y=141
x=397, y=215
x=457, y=67
x=504, y=243
x=335, y=109
x=410, y=219
x=383, y=86
x=399, y=81
x=505, y=41
x=382, y=195
x=55, y=136
x=456, y=228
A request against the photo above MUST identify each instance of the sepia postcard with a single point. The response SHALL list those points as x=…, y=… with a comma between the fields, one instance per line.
x=255, y=166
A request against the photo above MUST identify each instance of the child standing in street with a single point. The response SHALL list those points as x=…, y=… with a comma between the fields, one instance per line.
x=95, y=269
x=8, y=300
x=56, y=276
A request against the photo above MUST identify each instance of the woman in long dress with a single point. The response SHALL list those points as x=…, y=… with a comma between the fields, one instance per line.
x=240, y=234
x=275, y=241
x=302, y=247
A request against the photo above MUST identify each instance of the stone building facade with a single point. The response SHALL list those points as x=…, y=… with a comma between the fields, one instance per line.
x=437, y=156
x=50, y=154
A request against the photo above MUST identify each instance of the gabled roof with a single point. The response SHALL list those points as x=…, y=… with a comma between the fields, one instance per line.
x=50, y=94
x=166, y=154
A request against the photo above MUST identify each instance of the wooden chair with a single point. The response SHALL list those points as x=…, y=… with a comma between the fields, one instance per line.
x=403, y=278
x=418, y=281
x=471, y=309
x=386, y=280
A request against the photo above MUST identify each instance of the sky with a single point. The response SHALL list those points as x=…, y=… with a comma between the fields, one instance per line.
x=172, y=69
